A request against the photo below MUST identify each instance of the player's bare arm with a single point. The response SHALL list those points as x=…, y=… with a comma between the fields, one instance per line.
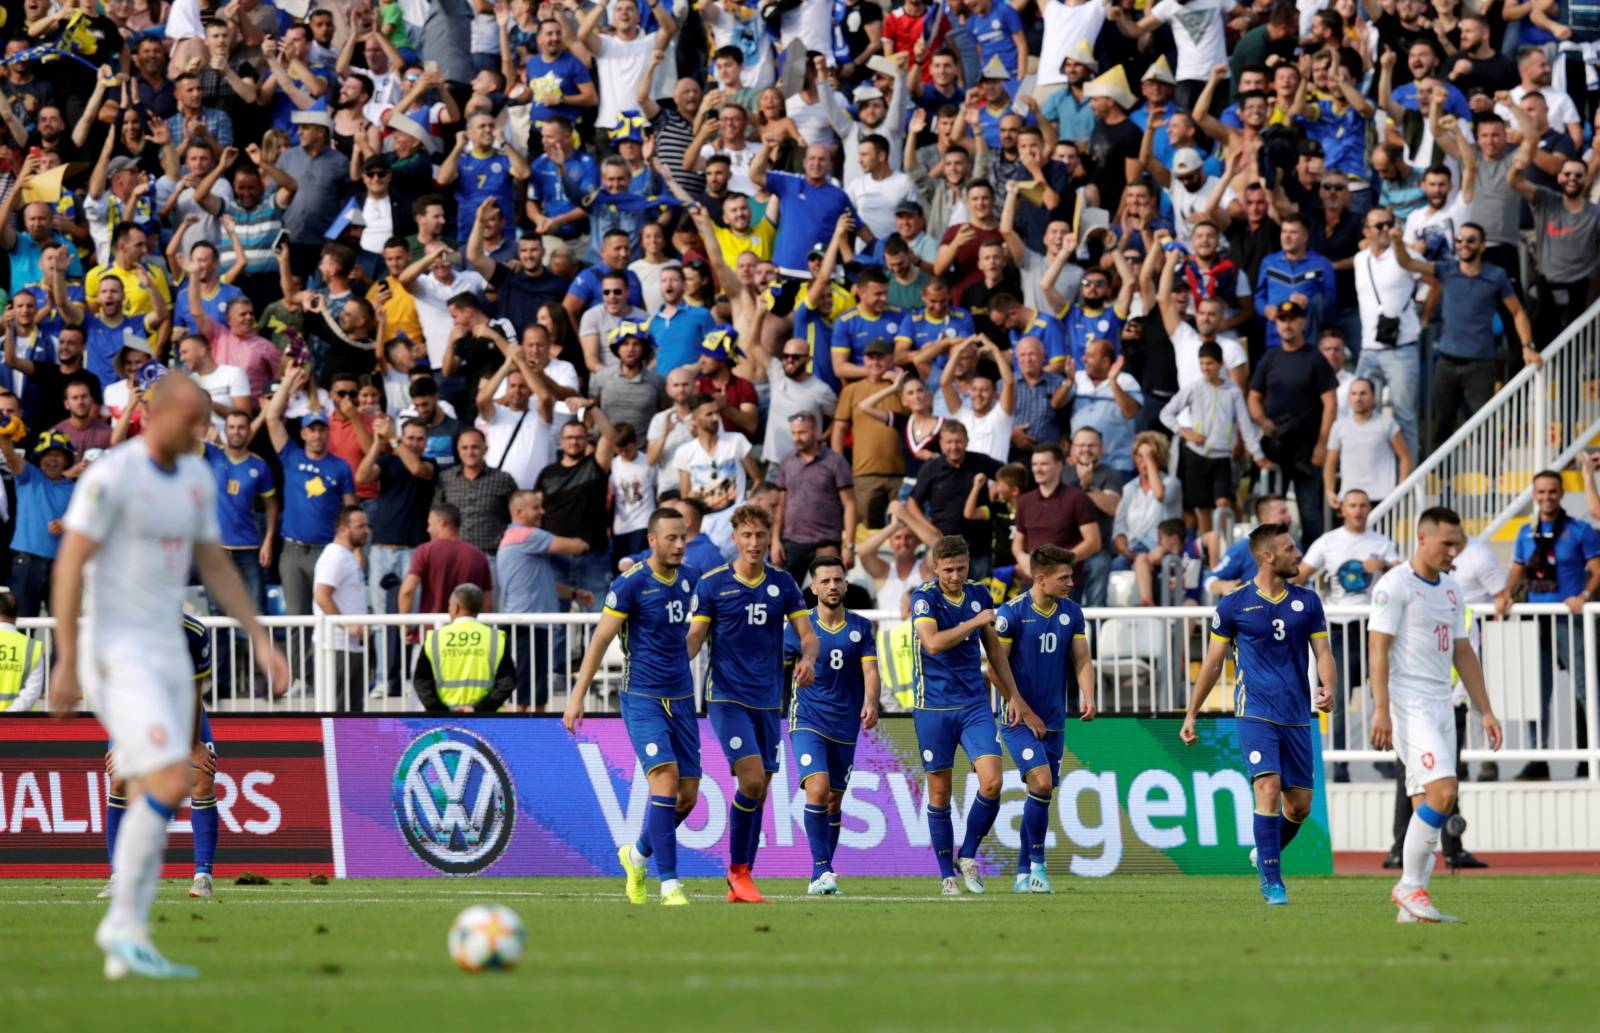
x=805, y=668
x=936, y=641
x=604, y=632
x=700, y=630
x=1378, y=645
x=872, y=701
x=1327, y=674
x=66, y=602
x=1017, y=710
x=1470, y=668
x=1084, y=668
x=1210, y=671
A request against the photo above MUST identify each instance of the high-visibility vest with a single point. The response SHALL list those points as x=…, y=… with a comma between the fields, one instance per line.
x=19, y=654
x=464, y=655
x=897, y=662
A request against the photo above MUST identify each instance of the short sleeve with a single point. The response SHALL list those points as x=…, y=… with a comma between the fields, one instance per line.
x=94, y=511
x=794, y=604
x=1522, y=551
x=619, y=600
x=1316, y=619
x=702, y=604
x=1388, y=610
x=1590, y=542
x=921, y=608
x=1223, y=626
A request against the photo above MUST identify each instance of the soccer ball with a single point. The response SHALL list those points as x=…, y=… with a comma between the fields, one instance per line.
x=487, y=936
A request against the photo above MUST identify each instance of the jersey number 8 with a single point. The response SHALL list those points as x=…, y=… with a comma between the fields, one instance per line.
x=836, y=659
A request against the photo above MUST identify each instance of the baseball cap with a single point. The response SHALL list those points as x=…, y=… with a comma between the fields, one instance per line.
x=312, y=118
x=121, y=163
x=878, y=346
x=376, y=163
x=312, y=419
x=1290, y=310
x=908, y=207
x=866, y=92
x=1186, y=160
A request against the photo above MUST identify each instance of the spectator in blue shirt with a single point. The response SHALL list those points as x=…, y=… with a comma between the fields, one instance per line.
x=526, y=580
x=584, y=292
x=998, y=31
x=1069, y=108
x=1295, y=273
x=677, y=328
x=316, y=486
x=242, y=478
x=811, y=206
x=1558, y=558
x=43, y=492
x=558, y=83
x=1238, y=566
x=558, y=180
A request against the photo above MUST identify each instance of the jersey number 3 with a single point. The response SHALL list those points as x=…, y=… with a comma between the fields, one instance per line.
x=1277, y=629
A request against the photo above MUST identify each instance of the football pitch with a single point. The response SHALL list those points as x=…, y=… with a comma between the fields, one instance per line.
x=1133, y=952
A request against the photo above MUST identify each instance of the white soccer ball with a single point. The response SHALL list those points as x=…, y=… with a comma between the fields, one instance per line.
x=487, y=936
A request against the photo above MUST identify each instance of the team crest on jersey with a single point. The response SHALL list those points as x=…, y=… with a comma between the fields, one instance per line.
x=611, y=600
x=1427, y=761
x=683, y=585
x=1216, y=620
x=1001, y=624
x=1297, y=606
x=921, y=608
x=1450, y=594
x=855, y=636
x=1065, y=619
x=772, y=590
x=976, y=606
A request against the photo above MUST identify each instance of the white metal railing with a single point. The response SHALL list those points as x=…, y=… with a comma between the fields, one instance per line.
x=1539, y=420
x=1145, y=661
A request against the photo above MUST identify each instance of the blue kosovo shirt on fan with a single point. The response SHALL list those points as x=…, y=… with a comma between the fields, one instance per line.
x=855, y=328
x=747, y=621
x=483, y=177
x=952, y=679
x=1041, y=644
x=238, y=486
x=1083, y=326
x=1050, y=332
x=995, y=33
x=313, y=494
x=831, y=705
x=566, y=73
x=810, y=212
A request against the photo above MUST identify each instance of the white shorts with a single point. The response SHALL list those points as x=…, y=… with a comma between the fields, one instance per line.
x=1425, y=742
x=144, y=698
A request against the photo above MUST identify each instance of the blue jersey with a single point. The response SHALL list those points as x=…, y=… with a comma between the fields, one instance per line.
x=855, y=328
x=482, y=178
x=1041, y=644
x=831, y=705
x=954, y=678
x=238, y=486
x=747, y=619
x=995, y=34
x=1270, y=640
x=565, y=74
x=1083, y=326
x=924, y=330
x=215, y=306
x=313, y=494
x=199, y=639
x=1050, y=332
x=655, y=619
x=810, y=211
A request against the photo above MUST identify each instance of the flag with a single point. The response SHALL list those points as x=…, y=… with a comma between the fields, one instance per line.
x=44, y=54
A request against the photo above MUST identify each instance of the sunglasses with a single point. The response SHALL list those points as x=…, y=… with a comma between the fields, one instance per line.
x=1385, y=224
x=611, y=293
x=794, y=358
x=1335, y=187
x=344, y=394
x=377, y=173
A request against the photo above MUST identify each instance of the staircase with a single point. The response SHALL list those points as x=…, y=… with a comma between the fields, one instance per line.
x=1539, y=420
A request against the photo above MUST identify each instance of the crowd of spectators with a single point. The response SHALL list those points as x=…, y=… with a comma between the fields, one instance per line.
x=475, y=286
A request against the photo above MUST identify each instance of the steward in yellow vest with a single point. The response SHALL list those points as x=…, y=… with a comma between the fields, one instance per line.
x=21, y=662
x=465, y=666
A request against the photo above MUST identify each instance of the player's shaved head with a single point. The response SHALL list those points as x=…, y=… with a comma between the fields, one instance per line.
x=178, y=412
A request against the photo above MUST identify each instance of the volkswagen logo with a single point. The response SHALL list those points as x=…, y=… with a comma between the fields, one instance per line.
x=453, y=801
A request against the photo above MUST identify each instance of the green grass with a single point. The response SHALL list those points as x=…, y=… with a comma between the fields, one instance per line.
x=1154, y=952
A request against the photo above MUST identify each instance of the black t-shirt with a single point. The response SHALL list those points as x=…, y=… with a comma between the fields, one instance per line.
x=975, y=299
x=480, y=359
x=575, y=501
x=48, y=407
x=520, y=295
x=1342, y=242
x=1248, y=247
x=1495, y=72
x=401, y=517
x=1109, y=146
x=942, y=491
x=854, y=25
x=1400, y=39
x=1293, y=383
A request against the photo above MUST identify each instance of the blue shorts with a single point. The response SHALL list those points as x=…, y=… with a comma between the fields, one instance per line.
x=663, y=731
x=1274, y=749
x=1028, y=751
x=939, y=731
x=819, y=755
x=744, y=732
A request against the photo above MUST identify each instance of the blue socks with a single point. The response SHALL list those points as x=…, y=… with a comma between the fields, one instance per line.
x=662, y=832
x=1035, y=823
x=835, y=826
x=1268, y=846
x=1288, y=828
x=820, y=839
x=116, y=808
x=643, y=844
x=942, y=833
x=742, y=816
x=980, y=819
x=204, y=819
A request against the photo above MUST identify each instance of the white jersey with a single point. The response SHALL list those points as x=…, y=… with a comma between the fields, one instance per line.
x=144, y=522
x=1425, y=617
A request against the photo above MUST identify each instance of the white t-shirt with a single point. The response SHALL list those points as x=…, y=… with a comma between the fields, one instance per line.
x=1425, y=618
x=711, y=472
x=1384, y=287
x=561, y=373
x=183, y=20
x=340, y=569
x=739, y=181
x=1197, y=29
x=876, y=200
x=1438, y=230
x=990, y=433
x=1186, y=350
x=1189, y=205
x=619, y=65
x=682, y=433
x=520, y=453
x=811, y=21
x=224, y=384
x=1342, y=555
x=1478, y=573
x=432, y=297
x=633, y=493
x=1033, y=270
x=1366, y=454
x=145, y=522
x=1341, y=394
x=812, y=119
x=1064, y=26
x=743, y=28
x=377, y=224
x=1562, y=112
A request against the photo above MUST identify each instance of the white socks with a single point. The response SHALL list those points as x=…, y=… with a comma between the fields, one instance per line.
x=1421, y=841
x=141, y=843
